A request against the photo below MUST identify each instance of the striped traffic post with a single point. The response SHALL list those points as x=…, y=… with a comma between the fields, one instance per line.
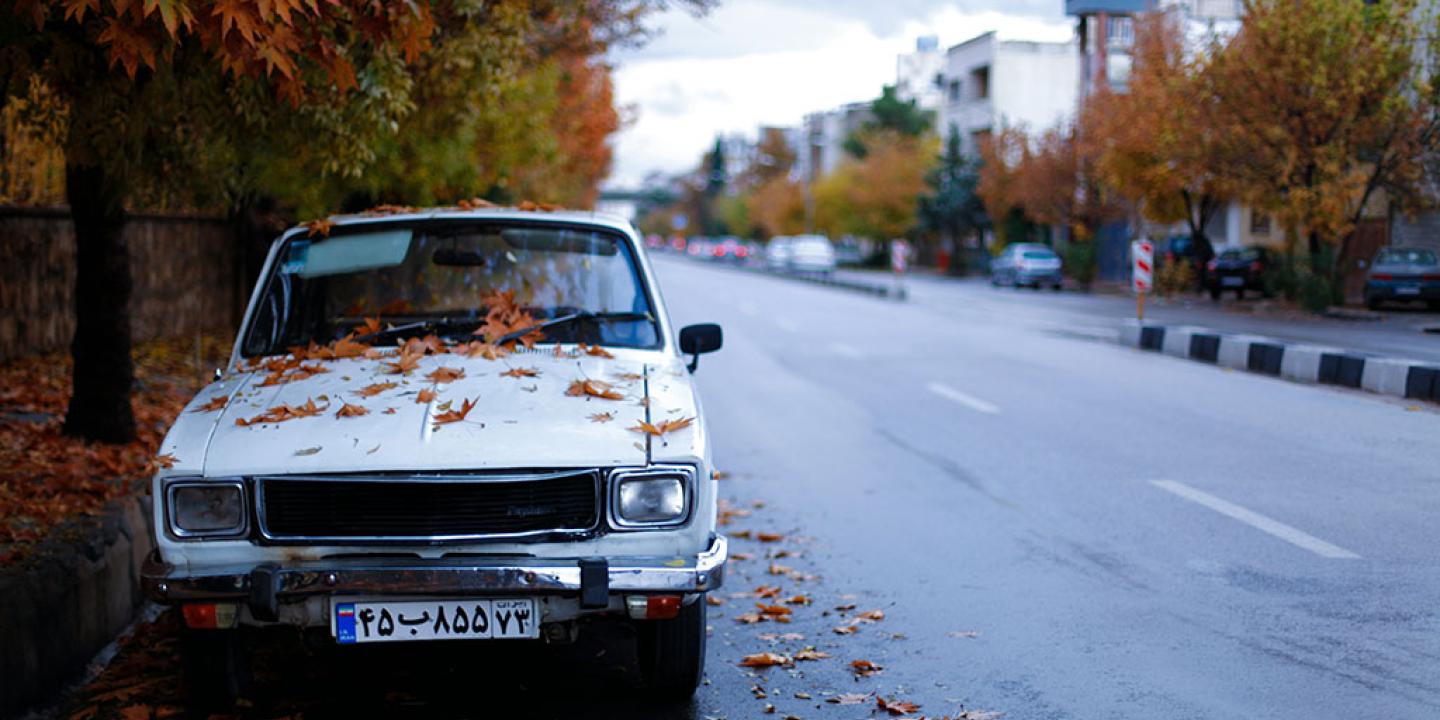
x=1142, y=276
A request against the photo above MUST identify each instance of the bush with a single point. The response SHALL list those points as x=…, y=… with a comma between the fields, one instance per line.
x=1175, y=277
x=1080, y=261
x=1318, y=292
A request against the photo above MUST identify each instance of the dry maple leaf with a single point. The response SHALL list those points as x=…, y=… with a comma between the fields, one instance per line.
x=810, y=653
x=769, y=537
x=452, y=416
x=864, y=668
x=403, y=364
x=521, y=372
x=318, y=228
x=742, y=556
x=767, y=591
x=424, y=396
x=765, y=659
x=604, y=417
x=797, y=600
x=216, y=403
x=165, y=461
x=374, y=389
x=475, y=204
x=348, y=410
x=872, y=616
x=849, y=699
x=773, y=610
x=663, y=427
x=593, y=388
x=283, y=412
x=750, y=618
x=594, y=351
x=484, y=350
x=429, y=345
x=347, y=348
x=896, y=707
x=370, y=325
x=445, y=375
x=846, y=629
x=714, y=600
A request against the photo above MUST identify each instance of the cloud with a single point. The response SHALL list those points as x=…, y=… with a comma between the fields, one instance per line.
x=751, y=63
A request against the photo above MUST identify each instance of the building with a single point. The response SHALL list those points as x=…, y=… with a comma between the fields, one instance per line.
x=918, y=75
x=822, y=140
x=989, y=82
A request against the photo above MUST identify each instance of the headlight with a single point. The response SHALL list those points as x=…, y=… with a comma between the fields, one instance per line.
x=651, y=498
x=207, y=509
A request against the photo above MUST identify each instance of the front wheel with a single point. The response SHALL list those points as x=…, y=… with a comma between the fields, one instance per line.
x=672, y=653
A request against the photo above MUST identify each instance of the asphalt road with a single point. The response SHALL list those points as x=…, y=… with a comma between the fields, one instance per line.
x=1127, y=535
x=1051, y=525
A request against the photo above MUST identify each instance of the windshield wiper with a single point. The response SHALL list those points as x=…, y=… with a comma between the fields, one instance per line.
x=573, y=317
x=428, y=325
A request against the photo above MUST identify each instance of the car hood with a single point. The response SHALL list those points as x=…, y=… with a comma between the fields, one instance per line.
x=524, y=422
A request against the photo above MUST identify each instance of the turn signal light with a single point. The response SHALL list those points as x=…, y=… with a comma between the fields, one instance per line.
x=209, y=616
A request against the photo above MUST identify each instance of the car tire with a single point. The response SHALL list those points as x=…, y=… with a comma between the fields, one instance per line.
x=215, y=668
x=672, y=653
x=1215, y=294
x=1372, y=303
x=1240, y=294
x=1057, y=287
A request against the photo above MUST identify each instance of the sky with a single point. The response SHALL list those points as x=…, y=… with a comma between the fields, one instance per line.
x=753, y=62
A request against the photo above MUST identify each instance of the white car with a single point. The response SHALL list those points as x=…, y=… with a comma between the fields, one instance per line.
x=446, y=425
x=777, y=253
x=812, y=254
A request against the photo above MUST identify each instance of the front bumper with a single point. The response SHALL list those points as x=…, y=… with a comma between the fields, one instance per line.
x=263, y=587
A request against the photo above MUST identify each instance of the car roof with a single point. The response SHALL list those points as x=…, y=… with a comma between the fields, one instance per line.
x=583, y=217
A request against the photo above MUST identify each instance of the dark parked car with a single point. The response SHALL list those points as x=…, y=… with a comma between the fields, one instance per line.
x=1237, y=269
x=1402, y=274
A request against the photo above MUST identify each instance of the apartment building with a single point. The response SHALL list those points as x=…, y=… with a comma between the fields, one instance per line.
x=989, y=82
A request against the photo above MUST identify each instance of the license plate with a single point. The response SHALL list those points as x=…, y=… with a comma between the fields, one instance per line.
x=1232, y=281
x=1407, y=291
x=387, y=621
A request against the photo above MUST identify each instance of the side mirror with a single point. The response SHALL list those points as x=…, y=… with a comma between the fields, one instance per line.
x=696, y=340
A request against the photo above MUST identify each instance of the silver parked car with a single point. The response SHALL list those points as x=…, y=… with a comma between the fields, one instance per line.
x=1031, y=264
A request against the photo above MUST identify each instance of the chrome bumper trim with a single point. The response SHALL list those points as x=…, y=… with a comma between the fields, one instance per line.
x=166, y=583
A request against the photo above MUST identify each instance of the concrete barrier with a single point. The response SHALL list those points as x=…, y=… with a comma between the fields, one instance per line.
x=1299, y=362
x=68, y=599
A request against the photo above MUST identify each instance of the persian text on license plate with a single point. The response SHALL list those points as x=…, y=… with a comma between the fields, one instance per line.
x=476, y=619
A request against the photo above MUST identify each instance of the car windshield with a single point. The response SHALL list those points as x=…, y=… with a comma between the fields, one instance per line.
x=1406, y=256
x=322, y=289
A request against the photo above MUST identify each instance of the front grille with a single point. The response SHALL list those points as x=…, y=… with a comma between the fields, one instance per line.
x=383, y=508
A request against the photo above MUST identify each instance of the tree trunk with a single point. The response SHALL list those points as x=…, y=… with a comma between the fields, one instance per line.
x=103, y=373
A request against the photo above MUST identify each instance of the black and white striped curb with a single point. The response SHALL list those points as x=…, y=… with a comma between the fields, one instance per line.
x=1412, y=379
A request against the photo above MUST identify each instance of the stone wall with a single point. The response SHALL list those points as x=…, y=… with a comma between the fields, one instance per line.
x=185, y=271
x=68, y=599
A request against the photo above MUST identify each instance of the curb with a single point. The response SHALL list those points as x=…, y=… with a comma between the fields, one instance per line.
x=60, y=606
x=1298, y=362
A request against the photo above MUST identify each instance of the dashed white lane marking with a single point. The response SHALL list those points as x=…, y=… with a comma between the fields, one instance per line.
x=786, y=324
x=969, y=401
x=1256, y=520
x=844, y=350
x=749, y=308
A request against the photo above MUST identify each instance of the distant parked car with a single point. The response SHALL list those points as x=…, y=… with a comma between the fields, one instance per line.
x=777, y=253
x=1237, y=269
x=1023, y=264
x=699, y=248
x=812, y=254
x=848, y=253
x=1403, y=274
x=730, y=249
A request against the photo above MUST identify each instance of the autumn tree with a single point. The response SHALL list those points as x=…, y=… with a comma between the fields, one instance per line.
x=1001, y=155
x=875, y=196
x=1155, y=143
x=1321, y=105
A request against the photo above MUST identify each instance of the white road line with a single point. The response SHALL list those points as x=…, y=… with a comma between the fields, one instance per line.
x=1257, y=521
x=969, y=401
x=786, y=324
x=844, y=350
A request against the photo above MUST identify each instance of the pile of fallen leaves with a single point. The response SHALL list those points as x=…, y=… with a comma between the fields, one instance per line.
x=46, y=477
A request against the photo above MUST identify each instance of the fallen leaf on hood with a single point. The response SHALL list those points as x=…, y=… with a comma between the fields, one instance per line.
x=765, y=659
x=717, y=475
x=300, y=372
x=864, y=668
x=429, y=345
x=424, y=396
x=216, y=403
x=403, y=364
x=593, y=388
x=810, y=653
x=896, y=707
x=318, y=228
x=348, y=410
x=629, y=377
x=445, y=375
x=662, y=427
x=484, y=350
x=282, y=412
x=308, y=451
x=370, y=326
x=604, y=417
x=521, y=372
x=846, y=629
x=872, y=616
x=165, y=461
x=374, y=389
x=849, y=699
x=595, y=351
x=347, y=348
x=452, y=416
